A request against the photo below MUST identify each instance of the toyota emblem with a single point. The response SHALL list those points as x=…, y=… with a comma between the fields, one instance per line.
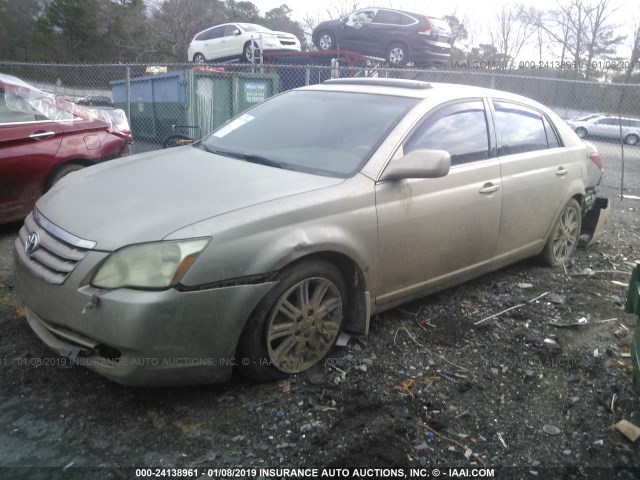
x=32, y=243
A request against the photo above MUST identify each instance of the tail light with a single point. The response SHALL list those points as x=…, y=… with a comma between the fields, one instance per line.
x=427, y=29
x=595, y=158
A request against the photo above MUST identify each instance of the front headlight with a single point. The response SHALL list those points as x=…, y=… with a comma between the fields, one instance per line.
x=149, y=265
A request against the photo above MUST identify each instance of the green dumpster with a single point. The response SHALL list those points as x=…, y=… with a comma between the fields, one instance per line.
x=633, y=306
x=198, y=97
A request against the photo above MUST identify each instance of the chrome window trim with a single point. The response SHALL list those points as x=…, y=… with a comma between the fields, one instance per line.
x=61, y=234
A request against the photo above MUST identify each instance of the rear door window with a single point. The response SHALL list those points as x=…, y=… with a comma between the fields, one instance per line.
x=520, y=129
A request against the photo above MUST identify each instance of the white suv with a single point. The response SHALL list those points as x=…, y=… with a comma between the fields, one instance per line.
x=238, y=40
x=609, y=127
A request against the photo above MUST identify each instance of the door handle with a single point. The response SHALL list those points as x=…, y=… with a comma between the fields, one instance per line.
x=561, y=172
x=41, y=135
x=489, y=188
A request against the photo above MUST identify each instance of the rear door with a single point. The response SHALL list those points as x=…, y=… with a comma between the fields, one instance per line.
x=606, y=127
x=536, y=173
x=28, y=146
x=438, y=231
x=388, y=27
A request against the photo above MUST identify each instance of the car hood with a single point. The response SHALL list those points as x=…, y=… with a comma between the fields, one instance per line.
x=146, y=197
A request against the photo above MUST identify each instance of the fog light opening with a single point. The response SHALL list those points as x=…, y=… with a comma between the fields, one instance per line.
x=108, y=352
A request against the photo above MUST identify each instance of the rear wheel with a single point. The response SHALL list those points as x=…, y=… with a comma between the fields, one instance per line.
x=397, y=54
x=564, y=237
x=581, y=132
x=296, y=324
x=631, y=139
x=62, y=172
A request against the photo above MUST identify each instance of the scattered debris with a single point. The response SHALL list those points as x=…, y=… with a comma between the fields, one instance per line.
x=286, y=386
x=628, y=429
x=579, y=323
x=551, y=430
x=608, y=320
x=407, y=387
x=557, y=299
x=455, y=442
x=509, y=309
x=343, y=339
x=502, y=440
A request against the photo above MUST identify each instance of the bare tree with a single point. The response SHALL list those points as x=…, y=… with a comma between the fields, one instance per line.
x=510, y=33
x=635, y=53
x=581, y=28
x=600, y=38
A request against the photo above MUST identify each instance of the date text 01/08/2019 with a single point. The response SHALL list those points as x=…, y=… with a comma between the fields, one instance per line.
x=622, y=65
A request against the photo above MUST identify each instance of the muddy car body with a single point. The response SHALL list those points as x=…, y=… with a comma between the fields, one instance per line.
x=255, y=247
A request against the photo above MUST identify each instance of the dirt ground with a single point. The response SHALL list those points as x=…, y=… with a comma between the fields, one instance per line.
x=435, y=384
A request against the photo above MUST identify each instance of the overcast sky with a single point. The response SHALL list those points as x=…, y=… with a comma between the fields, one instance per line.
x=478, y=13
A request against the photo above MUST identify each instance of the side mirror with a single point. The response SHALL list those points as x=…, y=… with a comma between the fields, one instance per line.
x=236, y=32
x=418, y=164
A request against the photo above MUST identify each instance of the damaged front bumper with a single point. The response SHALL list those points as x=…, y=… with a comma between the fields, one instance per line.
x=137, y=337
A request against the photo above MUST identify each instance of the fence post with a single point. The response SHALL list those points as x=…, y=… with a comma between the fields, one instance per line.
x=128, y=91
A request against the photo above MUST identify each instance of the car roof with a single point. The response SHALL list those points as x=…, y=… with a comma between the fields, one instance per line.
x=415, y=89
x=241, y=24
x=414, y=14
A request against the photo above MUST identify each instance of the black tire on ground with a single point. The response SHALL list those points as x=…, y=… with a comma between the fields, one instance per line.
x=62, y=171
x=297, y=323
x=564, y=236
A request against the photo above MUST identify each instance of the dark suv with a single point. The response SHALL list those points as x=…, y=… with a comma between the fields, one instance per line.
x=398, y=37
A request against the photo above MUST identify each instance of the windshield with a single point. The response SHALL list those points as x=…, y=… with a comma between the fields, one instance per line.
x=322, y=132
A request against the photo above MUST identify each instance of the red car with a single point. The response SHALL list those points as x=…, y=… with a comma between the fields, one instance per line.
x=44, y=137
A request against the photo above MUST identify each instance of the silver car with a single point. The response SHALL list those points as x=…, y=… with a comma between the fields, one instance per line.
x=299, y=219
x=605, y=126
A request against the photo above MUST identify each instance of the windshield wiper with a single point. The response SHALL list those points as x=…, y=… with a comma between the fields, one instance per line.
x=250, y=158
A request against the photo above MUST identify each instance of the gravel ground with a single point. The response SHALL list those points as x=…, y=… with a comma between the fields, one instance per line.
x=433, y=385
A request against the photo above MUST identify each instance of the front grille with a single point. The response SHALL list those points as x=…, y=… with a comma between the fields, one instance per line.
x=52, y=259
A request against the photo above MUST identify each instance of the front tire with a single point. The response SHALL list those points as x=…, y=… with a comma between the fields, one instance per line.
x=247, y=52
x=631, y=139
x=564, y=236
x=199, y=58
x=296, y=324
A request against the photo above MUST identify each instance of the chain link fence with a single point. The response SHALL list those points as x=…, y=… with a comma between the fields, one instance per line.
x=185, y=101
